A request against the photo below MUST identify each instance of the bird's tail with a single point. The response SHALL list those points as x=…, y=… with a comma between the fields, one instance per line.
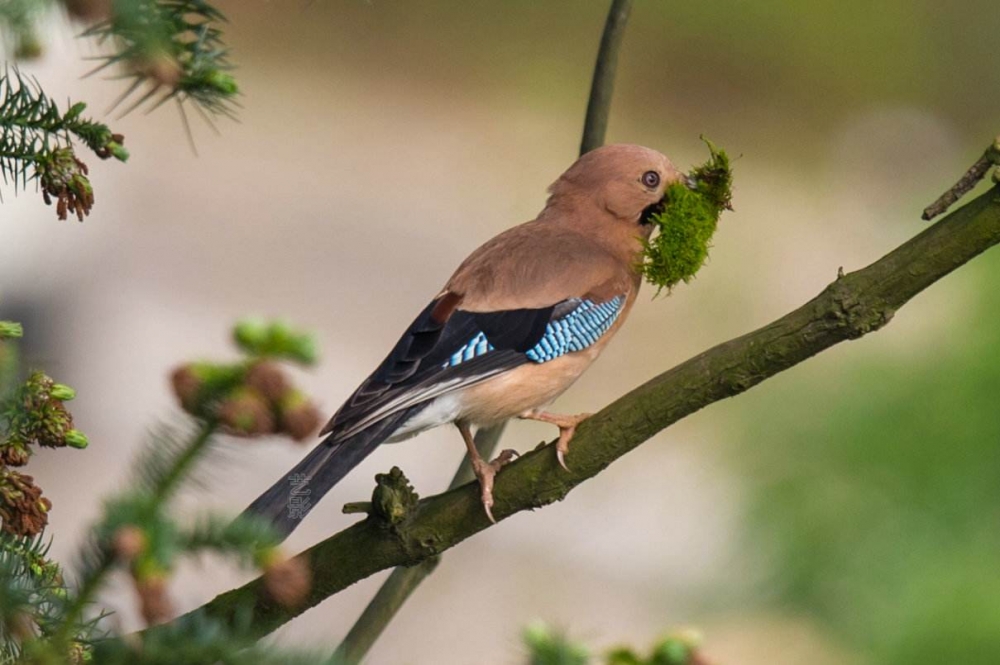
x=290, y=499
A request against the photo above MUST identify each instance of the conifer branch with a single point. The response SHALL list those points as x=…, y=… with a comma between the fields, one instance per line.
x=46, y=622
x=169, y=50
x=37, y=144
x=173, y=48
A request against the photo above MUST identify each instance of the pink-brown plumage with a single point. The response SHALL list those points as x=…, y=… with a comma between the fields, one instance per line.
x=473, y=356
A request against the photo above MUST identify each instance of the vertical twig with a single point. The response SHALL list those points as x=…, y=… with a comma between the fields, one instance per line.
x=603, y=84
x=403, y=581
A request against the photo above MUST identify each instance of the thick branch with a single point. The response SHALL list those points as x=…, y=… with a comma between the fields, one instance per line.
x=853, y=305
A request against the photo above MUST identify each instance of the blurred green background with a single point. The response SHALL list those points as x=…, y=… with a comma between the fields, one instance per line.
x=844, y=512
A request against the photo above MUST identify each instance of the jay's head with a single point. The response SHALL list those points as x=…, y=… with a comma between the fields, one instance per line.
x=627, y=181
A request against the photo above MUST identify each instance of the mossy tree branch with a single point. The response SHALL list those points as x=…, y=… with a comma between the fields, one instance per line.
x=853, y=305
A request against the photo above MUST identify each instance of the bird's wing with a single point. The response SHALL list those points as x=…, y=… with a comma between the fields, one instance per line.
x=531, y=294
x=448, y=348
x=536, y=265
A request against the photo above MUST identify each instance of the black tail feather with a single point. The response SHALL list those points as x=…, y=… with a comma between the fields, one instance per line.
x=290, y=499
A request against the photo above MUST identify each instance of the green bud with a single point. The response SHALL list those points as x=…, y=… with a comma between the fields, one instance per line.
x=624, y=656
x=266, y=556
x=303, y=349
x=75, y=111
x=62, y=392
x=76, y=439
x=222, y=82
x=275, y=340
x=287, y=343
x=146, y=566
x=672, y=651
x=537, y=634
x=10, y=330
x=28, y=46
x=117, y=151
x=250, y=334
x=80, y=184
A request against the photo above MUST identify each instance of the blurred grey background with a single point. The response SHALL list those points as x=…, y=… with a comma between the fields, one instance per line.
x=846, y=512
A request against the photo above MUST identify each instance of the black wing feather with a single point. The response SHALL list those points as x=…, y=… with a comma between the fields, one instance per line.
x=518, y=329
x=419, y=357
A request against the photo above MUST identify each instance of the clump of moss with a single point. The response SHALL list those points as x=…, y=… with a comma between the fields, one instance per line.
x=686, y=219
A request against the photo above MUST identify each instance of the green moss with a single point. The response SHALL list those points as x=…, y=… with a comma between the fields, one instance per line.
x=686, y=223
x=393, y=499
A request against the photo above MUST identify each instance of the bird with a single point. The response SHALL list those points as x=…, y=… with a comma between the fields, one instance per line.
x=516, y=324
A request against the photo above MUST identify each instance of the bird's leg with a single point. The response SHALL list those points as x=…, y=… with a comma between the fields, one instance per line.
x=485, y=471
x=567, y=428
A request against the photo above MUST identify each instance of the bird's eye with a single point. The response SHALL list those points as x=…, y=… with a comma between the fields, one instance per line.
x=651, y=179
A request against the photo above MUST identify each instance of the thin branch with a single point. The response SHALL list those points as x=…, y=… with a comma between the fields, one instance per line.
x=603, y=83
x=970, y=179
x=403, y=581
x=853, y=305
x=168, y=473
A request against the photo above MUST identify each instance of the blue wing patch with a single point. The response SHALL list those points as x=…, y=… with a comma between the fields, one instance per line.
x=574, y=331
x=476, y=346
x=577, y=330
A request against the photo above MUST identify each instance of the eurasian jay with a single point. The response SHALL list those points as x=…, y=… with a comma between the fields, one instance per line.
x=514, y=327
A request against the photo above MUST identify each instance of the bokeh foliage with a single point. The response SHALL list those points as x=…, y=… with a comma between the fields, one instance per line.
x=44, y=621
x=876, y=494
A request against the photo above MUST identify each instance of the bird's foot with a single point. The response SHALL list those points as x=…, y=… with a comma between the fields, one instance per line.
x=486, y=472
x=567, y=428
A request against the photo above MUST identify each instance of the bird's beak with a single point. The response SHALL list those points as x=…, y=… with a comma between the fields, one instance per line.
x=690, y=183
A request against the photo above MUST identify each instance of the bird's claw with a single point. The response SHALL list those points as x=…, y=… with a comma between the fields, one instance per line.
x=486, y=472
x=567, y=428
x=562, y=445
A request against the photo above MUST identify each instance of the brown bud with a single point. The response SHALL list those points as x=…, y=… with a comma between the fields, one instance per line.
x=269, y=380
x=246, y=413
x=128, y=542
x=89, y=11
x=186, y=384
x=299, y=416
x=22, y=626
x=287, y=581
x=162, y=68
x=23, y=509
x=154, y=602
x=13, y=454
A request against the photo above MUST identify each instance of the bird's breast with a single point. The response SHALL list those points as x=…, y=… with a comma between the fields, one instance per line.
x=524, y=388
x=535, y=384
